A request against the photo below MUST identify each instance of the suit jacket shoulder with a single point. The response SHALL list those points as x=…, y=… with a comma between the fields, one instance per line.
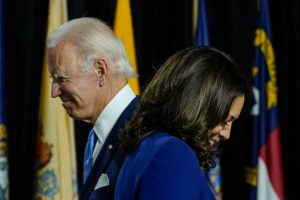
x=162, y=167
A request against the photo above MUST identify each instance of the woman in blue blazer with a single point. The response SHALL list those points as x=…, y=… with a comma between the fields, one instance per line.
x=185, y=111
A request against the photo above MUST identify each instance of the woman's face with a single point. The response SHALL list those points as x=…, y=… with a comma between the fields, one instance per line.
x=222, y=130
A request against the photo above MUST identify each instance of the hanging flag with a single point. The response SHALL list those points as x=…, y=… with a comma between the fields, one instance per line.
x=4, y=183
x=123, y=28
x=202, y=35
x=56, y=170
x=202, y=38
x=264, y=175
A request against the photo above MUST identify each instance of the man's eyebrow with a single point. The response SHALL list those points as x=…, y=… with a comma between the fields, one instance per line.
x=58, y=77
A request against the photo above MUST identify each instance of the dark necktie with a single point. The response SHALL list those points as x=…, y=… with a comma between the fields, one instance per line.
x=88, y=154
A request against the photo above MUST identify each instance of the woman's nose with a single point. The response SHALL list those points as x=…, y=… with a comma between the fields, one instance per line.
x=225, y=133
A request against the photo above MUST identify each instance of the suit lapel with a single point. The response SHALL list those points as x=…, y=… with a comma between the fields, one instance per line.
x=108, y=152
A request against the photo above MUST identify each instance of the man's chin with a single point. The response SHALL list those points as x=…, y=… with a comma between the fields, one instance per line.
x=73, y=114
x=69, y=110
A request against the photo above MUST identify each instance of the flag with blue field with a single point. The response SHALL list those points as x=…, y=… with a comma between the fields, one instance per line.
x=4, y=183
x=264, y=173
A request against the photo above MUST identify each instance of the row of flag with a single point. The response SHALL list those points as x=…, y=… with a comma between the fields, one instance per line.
x=56, y=162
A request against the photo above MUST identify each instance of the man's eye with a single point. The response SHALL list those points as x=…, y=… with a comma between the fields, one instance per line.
x=62, y=79
x=58, y=78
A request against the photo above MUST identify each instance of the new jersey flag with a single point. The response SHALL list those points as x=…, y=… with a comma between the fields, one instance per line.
x=264, y=175
x=3, y=133
x=123, y=28
x=202, y=38
x=56, y=177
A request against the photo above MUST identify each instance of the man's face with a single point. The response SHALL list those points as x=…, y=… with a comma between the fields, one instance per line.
x=77, y=90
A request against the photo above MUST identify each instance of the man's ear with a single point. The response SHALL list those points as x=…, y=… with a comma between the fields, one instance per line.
x=102, y=70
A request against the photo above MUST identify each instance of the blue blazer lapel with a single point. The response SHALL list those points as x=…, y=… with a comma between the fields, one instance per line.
x=108, y=153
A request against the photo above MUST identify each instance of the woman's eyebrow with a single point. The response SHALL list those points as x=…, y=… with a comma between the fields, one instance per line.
x=230, y=118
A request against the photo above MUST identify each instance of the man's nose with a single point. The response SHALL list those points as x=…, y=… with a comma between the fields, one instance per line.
x=55, y=89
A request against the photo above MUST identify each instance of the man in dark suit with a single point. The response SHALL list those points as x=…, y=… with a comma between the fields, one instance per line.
x=89, y=68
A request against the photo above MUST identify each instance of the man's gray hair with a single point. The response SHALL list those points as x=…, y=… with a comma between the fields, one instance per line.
x=93, y=39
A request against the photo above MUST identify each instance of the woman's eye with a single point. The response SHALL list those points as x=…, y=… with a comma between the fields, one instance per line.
x=224, y=124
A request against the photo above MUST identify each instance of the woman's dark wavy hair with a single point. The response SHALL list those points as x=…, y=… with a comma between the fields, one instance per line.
x=190, y=94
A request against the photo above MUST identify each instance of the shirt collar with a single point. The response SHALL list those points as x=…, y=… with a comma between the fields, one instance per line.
x=112, y=111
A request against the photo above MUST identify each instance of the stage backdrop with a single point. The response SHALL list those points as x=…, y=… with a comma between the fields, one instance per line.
x=160, y=28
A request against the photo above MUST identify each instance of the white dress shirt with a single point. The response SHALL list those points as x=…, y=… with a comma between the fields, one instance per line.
x=110, y=115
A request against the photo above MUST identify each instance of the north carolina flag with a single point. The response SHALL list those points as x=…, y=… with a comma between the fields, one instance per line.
x=264, y=175
x=123, y=28
x=56, y=177
x=4, y=183
x=202, y=38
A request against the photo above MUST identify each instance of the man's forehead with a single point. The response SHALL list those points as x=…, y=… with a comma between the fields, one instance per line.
x=61, y=70
x=63, y=52
x=62, y=64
